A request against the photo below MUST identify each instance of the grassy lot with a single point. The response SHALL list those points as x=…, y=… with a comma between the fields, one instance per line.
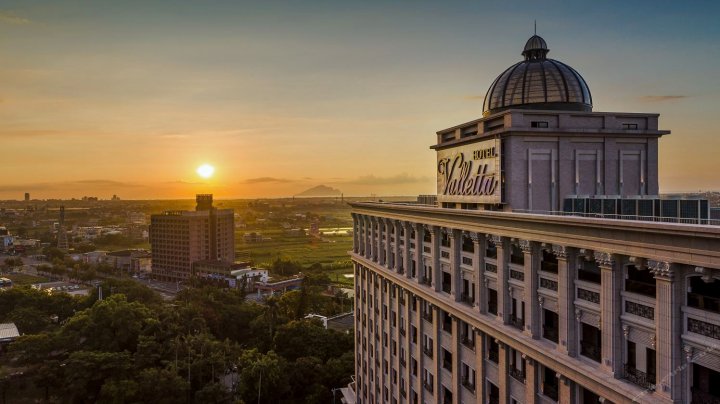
x=331, y=251
x=336, y=275
x=23, y=279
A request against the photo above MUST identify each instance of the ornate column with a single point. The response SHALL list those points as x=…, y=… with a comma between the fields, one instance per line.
x=373, y=238
x=503, y=256
x=382, y=250
x=611, y=276
x=419, y=355
x=419, y=245
x=435, y=254
x=567, y=328
x=479, y=247
x=531, y=380
x=668, y=329
x=531, y=251
x=389, y=226
x=503, y=382
x=407, y=257
x=455, y=249
x=456, y=349
x=396, y=261
x=437, y=349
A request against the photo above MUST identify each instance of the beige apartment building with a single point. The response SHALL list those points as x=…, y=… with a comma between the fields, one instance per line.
x=549, y=271
x=180, y=238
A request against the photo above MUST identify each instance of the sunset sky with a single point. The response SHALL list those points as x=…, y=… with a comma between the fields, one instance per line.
x=130, y=97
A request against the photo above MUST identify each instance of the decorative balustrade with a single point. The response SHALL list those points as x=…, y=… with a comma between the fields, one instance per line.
x=640, y=310
x=517, y=374
x=491, y=268
x=703, y=328
x=517, y=275
x=467, y=261
x=642, y=379
x=517, y=322
x=549, y=284
x=588, y=295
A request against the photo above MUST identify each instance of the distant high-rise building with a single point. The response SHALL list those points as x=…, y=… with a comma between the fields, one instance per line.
x=180, y=238
x=62, y=240
x=27, y=197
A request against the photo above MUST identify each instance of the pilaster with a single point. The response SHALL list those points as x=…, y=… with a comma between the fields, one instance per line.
x=407, y=257
x=435, y=254
x=531, y=381
x=567, y=328
x=396, y=261
x=479, y=366
x=668, y=323
x=455, y=249
x=419, y=245
x=503, y=256
x=503, y=382
x=456, y=349
x=531, y=251
x=480, y=245
x=565, y=390
x=611, y=276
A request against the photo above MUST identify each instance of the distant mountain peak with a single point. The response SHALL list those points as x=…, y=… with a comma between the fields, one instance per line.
x=320, y=190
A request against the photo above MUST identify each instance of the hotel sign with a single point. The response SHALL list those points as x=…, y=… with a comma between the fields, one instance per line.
x=469, y=173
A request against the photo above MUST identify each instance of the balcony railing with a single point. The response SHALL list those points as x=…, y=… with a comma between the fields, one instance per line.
x=402, y=332
x=517, y=374
x=426, y=281
x=428, y=386
x=699, y=396
x=469, y=384
x=550, y=391
x=470, y=343
x=494, y=355
x=428, y=316
x=428, y=351
x=517, y=259
x=467, y=299
x=642, y=379
x=517, y=322
x=590, y=350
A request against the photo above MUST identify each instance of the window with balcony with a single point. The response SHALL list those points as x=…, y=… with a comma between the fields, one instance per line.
x=427, y=345
x=467, y=376
x=645, y=376
x=447, y=360
x=493, y=350
x=446, y=322
x=492, y=301
x=704, y=295
x=591, y=342
x=491, y=250
x=493, y=393
x=468, y=292
x=549, y=262
x=705, y=385
x=516, y=255
x=517, y=314
x=588, y=271
x=551, y=322
x=468, y=245
x=447, y=396
x=414, y=334
x=517, y=365
x=641, y=282
x=428, y=380
x=549, y=383
x=446, y=282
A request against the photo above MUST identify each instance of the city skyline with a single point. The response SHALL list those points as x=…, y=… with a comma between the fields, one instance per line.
x=103, y=98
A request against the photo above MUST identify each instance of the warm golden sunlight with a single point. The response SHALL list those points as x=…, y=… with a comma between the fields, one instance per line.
x=205, y=170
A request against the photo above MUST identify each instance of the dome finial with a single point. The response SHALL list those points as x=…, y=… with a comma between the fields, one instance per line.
x=535, y=27
x=535, y=48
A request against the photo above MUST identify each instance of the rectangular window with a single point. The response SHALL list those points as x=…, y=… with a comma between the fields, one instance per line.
x=539, y=124
x=629, y=126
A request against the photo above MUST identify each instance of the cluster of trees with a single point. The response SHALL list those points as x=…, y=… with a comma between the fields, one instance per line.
x=208, y=345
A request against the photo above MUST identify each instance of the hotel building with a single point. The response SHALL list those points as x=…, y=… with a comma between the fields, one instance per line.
x=549, y=270
x=180, y=238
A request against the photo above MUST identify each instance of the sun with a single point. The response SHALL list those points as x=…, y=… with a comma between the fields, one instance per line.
x=205, y=170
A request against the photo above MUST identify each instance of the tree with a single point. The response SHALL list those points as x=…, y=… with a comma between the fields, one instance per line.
x=263, y=378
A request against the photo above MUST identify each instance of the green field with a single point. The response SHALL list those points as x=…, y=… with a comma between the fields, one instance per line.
x=330, y=251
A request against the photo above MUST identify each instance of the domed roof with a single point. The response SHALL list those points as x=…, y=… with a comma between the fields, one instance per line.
x=538, y=83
